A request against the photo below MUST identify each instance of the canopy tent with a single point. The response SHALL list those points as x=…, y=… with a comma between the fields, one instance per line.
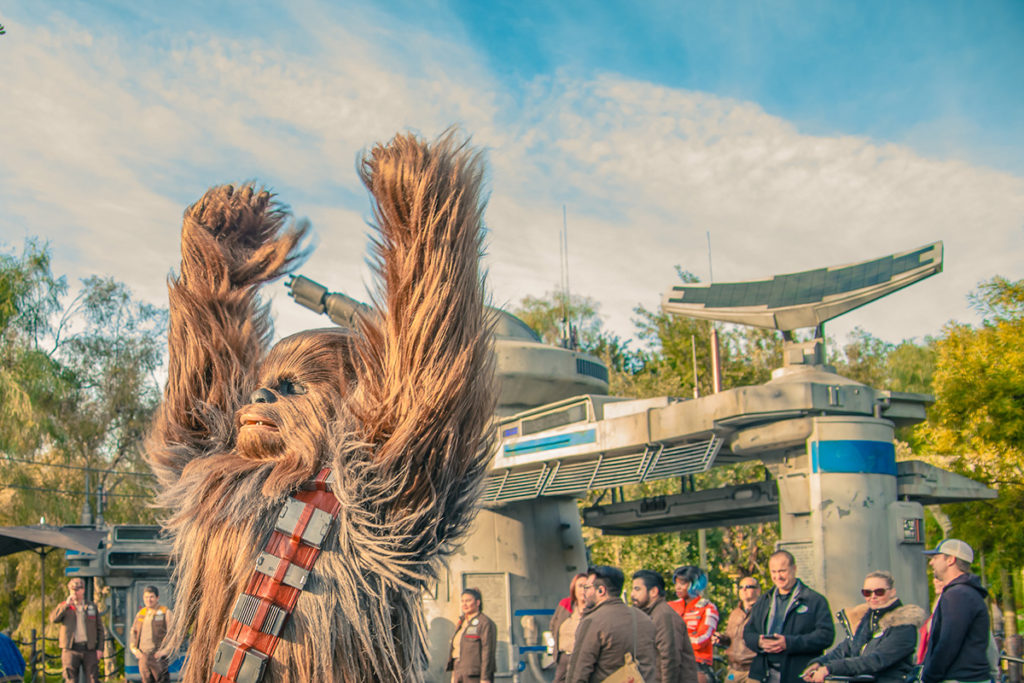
x=43, y=538
x=14, y=539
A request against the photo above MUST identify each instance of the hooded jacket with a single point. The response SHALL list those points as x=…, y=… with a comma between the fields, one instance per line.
x=882, y=646
x=959, y=634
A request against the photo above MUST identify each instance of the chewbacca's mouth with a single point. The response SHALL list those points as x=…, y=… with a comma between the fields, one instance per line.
x=251, y=422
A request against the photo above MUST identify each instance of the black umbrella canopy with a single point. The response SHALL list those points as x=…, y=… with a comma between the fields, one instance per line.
x=14, y=539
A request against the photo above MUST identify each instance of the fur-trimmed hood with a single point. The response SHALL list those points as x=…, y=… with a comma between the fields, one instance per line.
x=901, y=616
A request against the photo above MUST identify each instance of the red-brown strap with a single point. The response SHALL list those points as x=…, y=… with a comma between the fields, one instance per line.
x=261, y=611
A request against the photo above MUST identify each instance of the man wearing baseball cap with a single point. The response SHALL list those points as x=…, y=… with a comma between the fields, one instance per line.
x=958, y=641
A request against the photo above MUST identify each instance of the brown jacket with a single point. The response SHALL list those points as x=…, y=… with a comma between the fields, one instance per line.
x=65, y=615
x=476, y=651
x=605, y=635
x=676, y=663
x=739, y=655
x=159, y=624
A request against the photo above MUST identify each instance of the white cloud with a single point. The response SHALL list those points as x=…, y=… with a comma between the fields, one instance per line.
x=650, y=170
x=108, y=137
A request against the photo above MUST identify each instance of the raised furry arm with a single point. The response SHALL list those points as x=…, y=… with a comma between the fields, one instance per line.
x=232, y=241
x=425, y=389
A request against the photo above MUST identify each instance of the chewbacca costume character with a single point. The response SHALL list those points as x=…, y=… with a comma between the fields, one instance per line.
x=397, y=410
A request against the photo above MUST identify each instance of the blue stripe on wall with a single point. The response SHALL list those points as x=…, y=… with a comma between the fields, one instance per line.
x=866, y=457
x=550, y=443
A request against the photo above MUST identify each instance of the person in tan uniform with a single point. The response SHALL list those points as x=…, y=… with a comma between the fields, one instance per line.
x=81, y=633
x=739, y=655
x=148, y=631
x=473, y=645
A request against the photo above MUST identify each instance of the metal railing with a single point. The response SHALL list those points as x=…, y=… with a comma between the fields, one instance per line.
x=42, y=666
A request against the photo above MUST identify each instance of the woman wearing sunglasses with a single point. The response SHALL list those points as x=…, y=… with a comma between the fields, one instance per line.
x=884, y=642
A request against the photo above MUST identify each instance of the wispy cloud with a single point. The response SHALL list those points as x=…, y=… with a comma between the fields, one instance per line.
x=108, y=136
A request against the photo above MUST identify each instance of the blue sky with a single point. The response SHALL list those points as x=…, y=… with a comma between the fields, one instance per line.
x=799, y=134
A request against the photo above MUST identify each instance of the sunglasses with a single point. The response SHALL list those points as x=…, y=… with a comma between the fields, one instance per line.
x=748, y=587
x=878, y=592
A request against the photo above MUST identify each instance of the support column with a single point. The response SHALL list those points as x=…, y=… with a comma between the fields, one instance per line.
x=839, y=513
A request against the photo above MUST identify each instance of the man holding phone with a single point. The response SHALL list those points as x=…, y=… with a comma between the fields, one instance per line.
x=789, y=625
x=81, y=633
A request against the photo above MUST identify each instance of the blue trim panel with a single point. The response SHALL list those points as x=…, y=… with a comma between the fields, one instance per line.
x=550, y=443
x=533, y=612
x=854, y=455
x=174, y=667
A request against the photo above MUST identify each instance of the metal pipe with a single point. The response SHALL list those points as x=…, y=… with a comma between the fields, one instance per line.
x=693, y=349
x=42, y=612
x=716, y=362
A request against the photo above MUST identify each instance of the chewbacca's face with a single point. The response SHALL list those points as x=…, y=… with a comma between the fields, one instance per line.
x=301, y=386
x=260, y=422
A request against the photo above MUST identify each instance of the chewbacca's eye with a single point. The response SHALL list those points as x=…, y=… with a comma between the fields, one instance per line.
x=288, y=387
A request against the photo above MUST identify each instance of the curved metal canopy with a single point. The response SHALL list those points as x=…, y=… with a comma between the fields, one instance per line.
x=807, y=299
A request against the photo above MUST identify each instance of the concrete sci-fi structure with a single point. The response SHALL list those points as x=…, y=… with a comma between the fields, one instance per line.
x=826, y=440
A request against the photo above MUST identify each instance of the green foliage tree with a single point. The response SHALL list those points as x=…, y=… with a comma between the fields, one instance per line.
x=77, y=388
x=976, y=426
x=549, y=316
x=907, y=366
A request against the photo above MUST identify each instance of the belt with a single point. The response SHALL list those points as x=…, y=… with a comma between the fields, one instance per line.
x=274, y=586
x=80, y=645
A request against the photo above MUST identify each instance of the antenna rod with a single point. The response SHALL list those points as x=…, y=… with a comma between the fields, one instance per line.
x=711, y=273
x=567, y=340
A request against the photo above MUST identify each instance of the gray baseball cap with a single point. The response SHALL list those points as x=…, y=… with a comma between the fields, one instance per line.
x=953, y=547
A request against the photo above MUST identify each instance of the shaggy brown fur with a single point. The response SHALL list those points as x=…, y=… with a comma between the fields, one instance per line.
x=398, y=408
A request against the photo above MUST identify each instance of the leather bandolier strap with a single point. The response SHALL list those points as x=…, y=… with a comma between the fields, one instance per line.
x=269, y=597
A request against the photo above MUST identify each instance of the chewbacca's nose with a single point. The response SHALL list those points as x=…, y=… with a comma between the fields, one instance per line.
x=262, y=395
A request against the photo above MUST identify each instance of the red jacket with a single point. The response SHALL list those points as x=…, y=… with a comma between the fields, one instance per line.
x=701, y=618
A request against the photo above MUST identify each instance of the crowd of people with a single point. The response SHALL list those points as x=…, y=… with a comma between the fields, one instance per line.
x=783, y=635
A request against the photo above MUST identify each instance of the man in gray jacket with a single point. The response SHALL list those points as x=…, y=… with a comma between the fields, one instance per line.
x=608, y=630
x=675, y=660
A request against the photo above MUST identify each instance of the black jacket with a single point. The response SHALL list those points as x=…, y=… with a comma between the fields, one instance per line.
x=958, y=640
x=882, y=646
x=807, y=627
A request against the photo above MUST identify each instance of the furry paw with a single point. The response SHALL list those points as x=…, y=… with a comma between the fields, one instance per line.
x=238, y=233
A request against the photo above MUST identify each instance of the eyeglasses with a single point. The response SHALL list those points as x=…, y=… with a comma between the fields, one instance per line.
x=588, y=586
x=748, y=587
x=878, y=592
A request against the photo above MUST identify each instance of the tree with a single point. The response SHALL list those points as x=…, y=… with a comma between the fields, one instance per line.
x=976, y=427
x=77, y=387
x=907, y=366
x=979, y=386
x=550, y=315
